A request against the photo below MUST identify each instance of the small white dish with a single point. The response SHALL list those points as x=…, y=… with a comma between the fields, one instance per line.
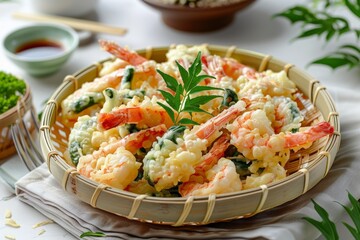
x=41, y=49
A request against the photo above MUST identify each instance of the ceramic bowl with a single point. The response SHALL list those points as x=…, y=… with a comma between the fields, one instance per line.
x=198, y=19
x=41, y=49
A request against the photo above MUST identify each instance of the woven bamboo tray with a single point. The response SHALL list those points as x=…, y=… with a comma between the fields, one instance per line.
x=8, y=118
x=305, y=168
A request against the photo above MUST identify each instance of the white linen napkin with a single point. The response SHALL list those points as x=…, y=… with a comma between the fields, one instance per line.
x=40, y=190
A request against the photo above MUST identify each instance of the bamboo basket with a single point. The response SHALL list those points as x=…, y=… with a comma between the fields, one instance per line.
x=8, y=118
x=305, y=168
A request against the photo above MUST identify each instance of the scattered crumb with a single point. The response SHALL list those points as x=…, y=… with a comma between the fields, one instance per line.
x=43, y=223
x=41, y=231
x=10, y=237
x=8, y=214
x=11, y=222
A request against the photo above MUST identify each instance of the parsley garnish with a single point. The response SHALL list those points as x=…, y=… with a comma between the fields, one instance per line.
x=11, y=89
x=182, y=99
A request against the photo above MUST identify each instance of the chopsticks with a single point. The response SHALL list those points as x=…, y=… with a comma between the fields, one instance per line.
x=78, y=24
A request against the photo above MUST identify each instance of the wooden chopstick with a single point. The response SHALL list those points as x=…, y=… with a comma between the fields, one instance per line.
x=78, y=24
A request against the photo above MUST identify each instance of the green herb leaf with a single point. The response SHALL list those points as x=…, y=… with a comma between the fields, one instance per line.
x=192, y=109
x=187, y=121
x=350, y=58
x=181, y=100
x=200, y=100
x=92, y=234
x=353, y=7
x=170, y=99
x=184, y=74
x=333, y=62
x=357, y=32
x=319, y=20
x=168, y=110
x=297, y=14
x=351, y=47
x=203, y=88
x=354, y=213
x=169, y=80
x=326, y=226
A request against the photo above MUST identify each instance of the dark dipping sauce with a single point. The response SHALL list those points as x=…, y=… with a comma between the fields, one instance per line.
x=41, y=48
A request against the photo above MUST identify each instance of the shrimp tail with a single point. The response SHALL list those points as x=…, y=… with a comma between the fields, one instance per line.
x=219, y=121
x=216, y=152
x=119, y=52
x=119, y=117
x=315, y=132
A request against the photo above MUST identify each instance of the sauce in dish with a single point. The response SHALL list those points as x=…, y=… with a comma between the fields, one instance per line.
x=41, y=48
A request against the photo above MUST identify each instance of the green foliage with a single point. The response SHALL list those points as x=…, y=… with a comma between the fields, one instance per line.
x=92, y=234
x=347, y=55
x=182, y=99
x=327, y=226
x=320, y=21
x=354, y=213
x=11, y=88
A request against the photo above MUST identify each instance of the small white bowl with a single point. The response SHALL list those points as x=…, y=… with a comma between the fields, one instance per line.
x=55, y=44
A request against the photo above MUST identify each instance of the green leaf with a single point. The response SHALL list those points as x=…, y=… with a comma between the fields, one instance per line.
x=350, y=56
x=326, y=226
x=191, y=109
x=357, y=32
x=354, y=213
x=198, y=79
x=196, y=67
x=329, y=35
x=194, y=70
x=168, y=110
x=200, y=100
x=297, y=14
x=177, y=97
x=187, y=121
x=310, y=32
x=184, y=75
x=170, y=81
x=181, y=100
x=353, y=231
x=353, y=7
x=92, y=234
x=333, y=62
x=351, y=47
x=203, y=88
x=170, y=99
x=339, y=24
